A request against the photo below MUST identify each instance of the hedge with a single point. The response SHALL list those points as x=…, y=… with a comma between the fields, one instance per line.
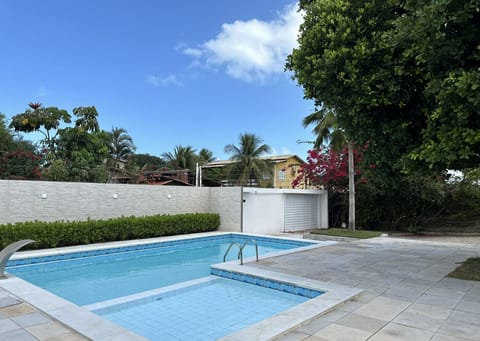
x=66, y=233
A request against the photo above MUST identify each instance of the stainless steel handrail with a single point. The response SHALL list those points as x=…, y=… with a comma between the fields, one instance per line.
x=228, y=250
x=240, y=250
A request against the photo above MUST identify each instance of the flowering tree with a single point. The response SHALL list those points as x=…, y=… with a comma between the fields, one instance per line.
x=20, y=164
x=328, y=169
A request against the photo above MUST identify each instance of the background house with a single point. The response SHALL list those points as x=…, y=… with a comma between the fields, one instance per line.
x=284, y=170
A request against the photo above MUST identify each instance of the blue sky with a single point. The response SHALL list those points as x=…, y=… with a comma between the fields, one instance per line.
x=194, y=73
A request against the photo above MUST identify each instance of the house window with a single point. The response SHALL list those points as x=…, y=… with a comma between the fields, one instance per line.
x=281, y=174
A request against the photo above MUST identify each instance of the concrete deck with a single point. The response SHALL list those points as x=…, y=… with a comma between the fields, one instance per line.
x=406, y=297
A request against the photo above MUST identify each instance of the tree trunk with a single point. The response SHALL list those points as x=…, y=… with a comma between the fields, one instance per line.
x=351, y=188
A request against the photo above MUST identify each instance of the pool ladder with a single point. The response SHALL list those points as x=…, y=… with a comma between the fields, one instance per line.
x=240, y=249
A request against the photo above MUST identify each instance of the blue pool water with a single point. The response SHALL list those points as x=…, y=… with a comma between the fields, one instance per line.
x=182, y=314
x=94, y=276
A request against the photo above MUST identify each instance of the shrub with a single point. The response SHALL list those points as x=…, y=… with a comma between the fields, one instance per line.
x=66, y=233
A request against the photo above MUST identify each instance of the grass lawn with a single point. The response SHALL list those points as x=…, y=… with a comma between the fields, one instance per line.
x=469, y=270
x=361, y=234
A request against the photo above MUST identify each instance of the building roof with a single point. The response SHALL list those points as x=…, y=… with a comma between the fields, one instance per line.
x=273, y=158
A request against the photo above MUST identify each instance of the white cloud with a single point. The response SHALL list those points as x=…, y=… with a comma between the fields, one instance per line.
x=251, y=50
x=196, y=53
x=163, y=81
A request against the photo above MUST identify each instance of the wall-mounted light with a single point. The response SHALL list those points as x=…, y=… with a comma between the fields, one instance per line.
x=44, y=196
x=169, y=196
x=115, y=196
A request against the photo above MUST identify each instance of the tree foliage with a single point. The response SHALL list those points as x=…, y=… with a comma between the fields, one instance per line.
x=402, y=76
x=121, y=144
x=181, y=158
x=74, y=153
x=147, y=162
x=45, y=120
x=328, y=169
x=248, y=167
x=19, y=159
x=205, y=156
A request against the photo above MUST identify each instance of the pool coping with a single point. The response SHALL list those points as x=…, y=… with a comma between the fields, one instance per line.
x=137, y=242
x=283, y=322
x=95, y=327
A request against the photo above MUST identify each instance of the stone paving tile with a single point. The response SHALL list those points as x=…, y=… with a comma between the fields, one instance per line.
x=462, y=329
x=439, y=301
x=8, y=301
x=71, y=336
x=397, y=332
x=419, y=321
x=443, y=337
x=383, y=308
x=315, y=325
x=472, y=296
x=293, y=336
x=404, y=292
x=337, y=332
x=446, y=292
x=454, y=284
x=462, y=316
x=367, y=324
x=315, y=338
x=47, y=330
x=16, y=310
x=416, y=281
x=18, y=335
x=435, y=312
x=334, y=315
x=350, y=306
x=31, y=319
x=473, y=307
x=7, y=326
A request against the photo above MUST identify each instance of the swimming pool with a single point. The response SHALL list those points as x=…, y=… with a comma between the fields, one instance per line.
x=208, y=309
x=56, y=262
x=98, y=275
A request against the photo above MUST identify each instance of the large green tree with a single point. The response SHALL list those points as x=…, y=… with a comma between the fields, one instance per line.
x=248, y=167
x=73, y=153
x=402, y=76
x=45, y=120
x=84, y=148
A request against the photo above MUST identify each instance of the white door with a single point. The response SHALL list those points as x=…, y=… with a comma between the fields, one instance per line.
x=301, y=212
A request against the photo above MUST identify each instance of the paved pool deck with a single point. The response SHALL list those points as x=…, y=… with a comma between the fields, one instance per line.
x=406, y=294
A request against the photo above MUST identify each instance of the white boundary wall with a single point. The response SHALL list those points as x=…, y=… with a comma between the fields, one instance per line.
x=264, y=210
x=49, y=201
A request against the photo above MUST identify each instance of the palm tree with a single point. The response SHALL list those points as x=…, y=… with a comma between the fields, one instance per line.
x=205, y=156
x=247, y=165
x=121, y=145
x=122, y=149
x=181, y=158
x=328, y=131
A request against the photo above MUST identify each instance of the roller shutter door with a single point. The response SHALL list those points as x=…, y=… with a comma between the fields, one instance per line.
x=301, y=212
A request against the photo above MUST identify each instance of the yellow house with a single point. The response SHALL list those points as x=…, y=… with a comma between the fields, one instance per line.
x=285, y=169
